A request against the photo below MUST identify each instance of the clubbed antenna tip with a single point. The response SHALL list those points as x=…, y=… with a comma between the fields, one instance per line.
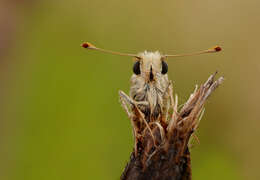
x=217, y=48
x=88, y=45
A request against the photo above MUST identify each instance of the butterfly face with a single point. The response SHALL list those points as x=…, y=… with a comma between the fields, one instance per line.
x=149, y=80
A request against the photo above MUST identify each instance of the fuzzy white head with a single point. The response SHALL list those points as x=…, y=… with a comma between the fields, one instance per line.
x=149, y=81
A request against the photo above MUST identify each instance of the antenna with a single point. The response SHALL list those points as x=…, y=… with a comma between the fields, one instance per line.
x=91, y=46
x=211, y=50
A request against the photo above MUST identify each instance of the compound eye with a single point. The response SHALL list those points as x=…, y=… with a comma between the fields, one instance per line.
x=136, y=68
x=164, y=67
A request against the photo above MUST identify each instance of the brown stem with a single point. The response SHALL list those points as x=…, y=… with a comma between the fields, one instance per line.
x=167, y=157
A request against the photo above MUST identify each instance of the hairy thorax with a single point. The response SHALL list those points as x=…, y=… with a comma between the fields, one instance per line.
x=149, y=94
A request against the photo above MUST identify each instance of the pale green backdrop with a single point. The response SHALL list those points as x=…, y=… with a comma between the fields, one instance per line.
x=60, y=113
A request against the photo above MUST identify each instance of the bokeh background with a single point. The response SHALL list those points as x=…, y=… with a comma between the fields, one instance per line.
x=60, y=118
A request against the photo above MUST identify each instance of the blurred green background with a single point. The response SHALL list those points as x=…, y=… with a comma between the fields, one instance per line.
x=60, y=118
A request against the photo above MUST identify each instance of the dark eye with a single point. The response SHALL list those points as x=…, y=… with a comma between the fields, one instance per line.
x=164, y=67
x=136, y=68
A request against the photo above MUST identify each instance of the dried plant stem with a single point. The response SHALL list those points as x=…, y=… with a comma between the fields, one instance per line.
x=161, y=150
